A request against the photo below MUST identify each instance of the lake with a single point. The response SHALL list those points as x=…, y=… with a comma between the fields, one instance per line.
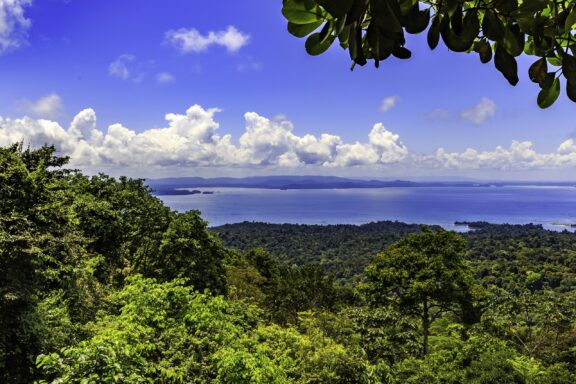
x=548, y=205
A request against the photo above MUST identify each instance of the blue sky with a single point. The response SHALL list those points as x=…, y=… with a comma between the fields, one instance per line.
x=72, y=69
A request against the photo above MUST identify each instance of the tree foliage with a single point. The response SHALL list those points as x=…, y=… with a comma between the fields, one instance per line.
x=423, y=275
x=498, y=31
x=100, y=282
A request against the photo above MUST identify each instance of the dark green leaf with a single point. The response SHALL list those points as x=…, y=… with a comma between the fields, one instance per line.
x=569, y=67
x=451, y=6
x=538, y=70
x=571, y=90
x=492, y=26
x=549, y=94
x=303, y=30
x=406, y=6
x=513, y=41
x=470, y=29
x=506, y=64
x=529, y=8
x=326, y=31
x=402, y=53
x=484, y=50
x=417, y=21
x=434, y=33
x=358, y=53
x=301, y=11
x=506, y=6
x=314, y=45
x=456, y=20
x=344, y=36
x=356, y=12
x=336, y=8
x=340, y=24
x=570, y=21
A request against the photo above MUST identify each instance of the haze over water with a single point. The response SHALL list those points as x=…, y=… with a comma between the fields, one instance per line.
x=426, y=205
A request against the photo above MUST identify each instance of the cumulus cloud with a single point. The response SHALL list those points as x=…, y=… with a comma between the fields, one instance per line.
x=165, y=78
x=389, y=103
x=191, y=40
x=193, y=139
x=13, y=24
x=48, y=107
x=481, y=112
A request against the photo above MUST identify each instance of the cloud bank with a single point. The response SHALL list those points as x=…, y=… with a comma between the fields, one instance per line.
x=193, y=139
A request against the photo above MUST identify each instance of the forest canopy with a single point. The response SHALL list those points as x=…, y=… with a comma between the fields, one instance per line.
x=100, y=282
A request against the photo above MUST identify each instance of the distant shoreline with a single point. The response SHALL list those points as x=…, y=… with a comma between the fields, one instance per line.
x=188, y=185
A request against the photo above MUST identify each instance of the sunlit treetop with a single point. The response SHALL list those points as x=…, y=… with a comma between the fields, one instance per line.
x=497, y=30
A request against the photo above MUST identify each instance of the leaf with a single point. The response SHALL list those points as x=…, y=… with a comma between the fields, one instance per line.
x=513, y=41
x=356, y=12
x=506, y=6
x=555, y=61
x=571, y=90
x=570, y=21
x=336, y=8
x=506, y=64
x=529, y=8
x=492, y=26
x=456, y=20
x=549, y=94
x=484, y=50
x=417, y=21
x=569, y=67
x=303, y=30
x=314, y=46
x=402, y=53
x=380, y=43
x=407, y=6
x=538, y=70
x=470, y=29
x=434, y=33
x=326, y=31
x=301, y=11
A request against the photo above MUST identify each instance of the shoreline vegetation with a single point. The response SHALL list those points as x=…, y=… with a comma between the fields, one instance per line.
x=102, y=282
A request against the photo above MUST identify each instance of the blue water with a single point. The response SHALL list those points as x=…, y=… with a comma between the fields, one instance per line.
x=434, y=205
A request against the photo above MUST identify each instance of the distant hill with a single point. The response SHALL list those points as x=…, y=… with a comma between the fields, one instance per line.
x=178, y=185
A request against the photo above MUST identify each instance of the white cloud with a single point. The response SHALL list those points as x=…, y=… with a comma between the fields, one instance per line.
x=389, y=103
x=13, y=24
x=193, y=139
x=165, y=78
x=120, y=68
x=48, y=107
x=481, y=112
x=191, y=40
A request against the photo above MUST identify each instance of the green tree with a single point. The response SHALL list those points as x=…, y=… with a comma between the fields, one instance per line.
x=189, y=251
x=503, y=29
x=38, y=250
x=423, y=275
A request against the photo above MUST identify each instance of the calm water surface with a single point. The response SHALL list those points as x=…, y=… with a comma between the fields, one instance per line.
x=437, y=205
